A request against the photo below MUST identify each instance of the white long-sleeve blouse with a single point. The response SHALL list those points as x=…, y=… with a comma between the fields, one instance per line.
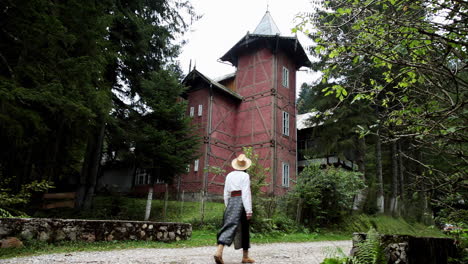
x=239, y=181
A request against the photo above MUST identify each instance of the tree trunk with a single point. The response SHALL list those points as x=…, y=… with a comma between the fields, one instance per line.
x=90, y=169
x=149, y=201
x=394, y=201
x=380, y=192
x=401, y=171
x=299, y=211
x=361, y=196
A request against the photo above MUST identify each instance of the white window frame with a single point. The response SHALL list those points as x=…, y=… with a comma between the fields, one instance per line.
x=285, y=123
x=285, y=77
x=195, y=166
x=200, y=110
x=285, y=178
x=192, y=111
x=142, y=177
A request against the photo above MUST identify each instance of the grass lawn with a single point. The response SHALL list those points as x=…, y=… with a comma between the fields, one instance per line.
x=124, y=208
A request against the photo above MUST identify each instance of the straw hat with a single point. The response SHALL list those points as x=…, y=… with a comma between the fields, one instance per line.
x=241, y=162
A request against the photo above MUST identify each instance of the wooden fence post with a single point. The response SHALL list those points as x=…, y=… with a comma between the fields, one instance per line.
x=202, y=207
x=182, y=203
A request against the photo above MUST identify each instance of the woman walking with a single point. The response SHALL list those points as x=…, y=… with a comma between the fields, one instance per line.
x=238, y=212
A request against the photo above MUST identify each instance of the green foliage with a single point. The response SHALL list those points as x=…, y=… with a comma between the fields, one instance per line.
x=10, y=199
x=370, y=251
x=326, y=193
x=4, y=213
x=407, y=60
x=257, y=172
x=264, y=220
x=386, y=225
x=335, y=256
x=72, y=69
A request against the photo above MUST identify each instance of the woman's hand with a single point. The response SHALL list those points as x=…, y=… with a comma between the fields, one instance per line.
x=249, y=216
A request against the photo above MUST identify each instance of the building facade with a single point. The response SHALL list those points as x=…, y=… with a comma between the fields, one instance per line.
x=253, y=107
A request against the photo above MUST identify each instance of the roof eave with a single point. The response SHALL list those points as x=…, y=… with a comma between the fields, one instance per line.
x=212, y=83
x=301, y=59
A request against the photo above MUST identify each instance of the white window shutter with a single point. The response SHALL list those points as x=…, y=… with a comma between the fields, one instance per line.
x=195, y=167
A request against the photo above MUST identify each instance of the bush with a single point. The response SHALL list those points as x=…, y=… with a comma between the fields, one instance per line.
x=10, y=201
x=324, y=195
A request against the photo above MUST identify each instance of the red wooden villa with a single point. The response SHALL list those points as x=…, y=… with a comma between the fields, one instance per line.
x=253, y=107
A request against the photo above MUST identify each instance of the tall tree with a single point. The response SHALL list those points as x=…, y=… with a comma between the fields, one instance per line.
x=73, y=73
x=142, y=71
x=51, y=57
x=417, y=53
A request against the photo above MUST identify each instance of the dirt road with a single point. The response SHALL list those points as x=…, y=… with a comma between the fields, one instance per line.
x=276, y=253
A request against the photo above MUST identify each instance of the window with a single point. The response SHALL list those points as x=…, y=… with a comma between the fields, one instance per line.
x=188, y=167
x=200, y=110
x=285, y=123
x=285, y=175
x=285, y=77
x=195, y=167
x=142, y=177
x=192, y=111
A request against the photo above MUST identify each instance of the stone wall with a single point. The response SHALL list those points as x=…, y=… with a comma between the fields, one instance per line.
x=52, y=230
x=404, y=249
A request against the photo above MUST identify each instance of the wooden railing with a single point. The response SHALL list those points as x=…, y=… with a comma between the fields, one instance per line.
x=59, y=200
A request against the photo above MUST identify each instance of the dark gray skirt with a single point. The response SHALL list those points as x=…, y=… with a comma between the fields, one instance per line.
x=235, y=225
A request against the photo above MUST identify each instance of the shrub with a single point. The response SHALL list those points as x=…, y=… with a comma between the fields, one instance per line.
x=10, y=200
x=324, y=194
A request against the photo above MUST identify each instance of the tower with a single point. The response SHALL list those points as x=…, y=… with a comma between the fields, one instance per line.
x=254, y=107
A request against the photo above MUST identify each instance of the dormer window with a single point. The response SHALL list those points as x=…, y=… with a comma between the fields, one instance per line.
x=285, y=77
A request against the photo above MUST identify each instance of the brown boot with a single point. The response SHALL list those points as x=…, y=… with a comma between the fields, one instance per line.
x=245, y=257
x=248, y=260
x=218, y=257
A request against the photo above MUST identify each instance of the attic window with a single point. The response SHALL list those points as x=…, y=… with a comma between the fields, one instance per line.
x=285, y=77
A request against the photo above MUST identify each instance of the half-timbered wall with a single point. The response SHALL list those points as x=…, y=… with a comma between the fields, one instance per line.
x=259, y=81
x=285, y=102
x=193, y=180
x=228, y=124
x=221, y=142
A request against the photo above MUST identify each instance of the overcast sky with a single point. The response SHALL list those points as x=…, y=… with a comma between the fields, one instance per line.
x=225, y=22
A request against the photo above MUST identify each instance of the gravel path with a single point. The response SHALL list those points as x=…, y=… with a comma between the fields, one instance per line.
x=276, y=253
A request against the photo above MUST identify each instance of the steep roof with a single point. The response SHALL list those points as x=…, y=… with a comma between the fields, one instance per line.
x=267, y=34
x=267, y=26
x=195, y=75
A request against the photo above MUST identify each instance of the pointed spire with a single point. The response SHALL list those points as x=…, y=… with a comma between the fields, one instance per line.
x=267, y=26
